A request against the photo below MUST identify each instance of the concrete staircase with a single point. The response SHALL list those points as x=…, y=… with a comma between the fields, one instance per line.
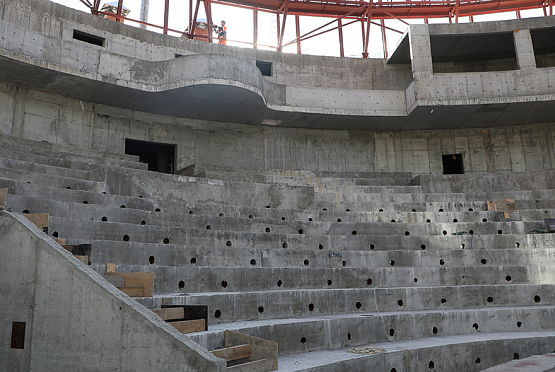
x=318, y=263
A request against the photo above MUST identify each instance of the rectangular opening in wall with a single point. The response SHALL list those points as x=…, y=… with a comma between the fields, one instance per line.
x=473, y=52
x=543, y=41
x=159, y=156
x=18, y=335
x=453, y=164
x=264, y=67
x=88, y=38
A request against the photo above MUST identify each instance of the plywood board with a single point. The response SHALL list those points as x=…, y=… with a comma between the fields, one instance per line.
x=132, y=291
x=189, y=326
x=260, y=348
x=170, y=313
x=61, y=241
x=141, y=280
x=192, y=312
x=84, y=259
x=3, y=198
x=262, y=365
x=40, y=220
x=501, y=205
x=110, y=268
x=116, y=281
x=234, y=352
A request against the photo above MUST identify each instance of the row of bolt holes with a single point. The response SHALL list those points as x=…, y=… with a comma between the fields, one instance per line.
x=431, y=364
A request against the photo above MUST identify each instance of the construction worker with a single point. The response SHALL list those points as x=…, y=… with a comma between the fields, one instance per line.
x=222, y=32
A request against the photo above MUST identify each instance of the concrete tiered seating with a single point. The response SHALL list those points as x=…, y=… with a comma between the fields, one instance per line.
x=317, y=262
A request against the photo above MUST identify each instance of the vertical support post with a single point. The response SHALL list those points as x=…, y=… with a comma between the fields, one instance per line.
x=166, y=16
x=457, y=4
x=384, y=40
x=144, y=12
x=190, y=18
x=278, y=31
x=255, y=28
x=194, y=21
x=208, y=8
x=367, y=39
x=118, y=15
x=96, y=7
x=280, y=36
x=363, y=33
x=340, y=29
x=298, y=27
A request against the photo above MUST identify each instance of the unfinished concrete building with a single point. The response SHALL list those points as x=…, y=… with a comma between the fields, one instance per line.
x=339, y=214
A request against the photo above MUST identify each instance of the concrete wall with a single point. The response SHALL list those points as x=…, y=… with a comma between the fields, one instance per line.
x=75, y=320
x=42, y=116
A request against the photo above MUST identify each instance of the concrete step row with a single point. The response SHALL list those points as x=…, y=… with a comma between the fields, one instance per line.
x=71, y=157
x=336, y=332
x=229, y=256
x=192, y=279
x=268, y=304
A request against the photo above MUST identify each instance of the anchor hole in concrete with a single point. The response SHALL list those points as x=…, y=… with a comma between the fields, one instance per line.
x=484, y=261
x=369, y=281
x=508, y=278
x=391, y=332
x=151, y=260
x=260, y=309
x=157, y=210
x=347, y=210
x=372, y=246
x=414, y=210
x=444, y=232
x=267, y=206
x=423, y=246
x=191, y=212
x=250, y=215
x=393, y=370
x=517, y=244
x=208, y=227
x=477, y=360
x=303, y=340
x=537, y=298
x=455, y=220
x=122, y=206
x=462, y=245
x=282, y=218
x=284, y=245
x=67, y=187
x=415, y=280
x=181, y=284
x=428, y=221
x=354, y=232
x=104, y=192
x=490, y=299
x=310, y=307
x=407, y=233
x=475, y=326
x=166, y=240
x=349, y=336
x=85, y=202
x=310, y=220
x=220, y=215
x=306, y=262
x=193, y=260
x=140, y=196
x=546, y=212
x=143, y=222
x=431, y=364
x=279, y=283
x=519, y=324
x=25, y=211
x=104, y=219
x=434, y=330
x=217, y=314
x=320, y=246
x=228, y=243
x=301, y=231
x=224, y=284
x=392, y=262
x=324, y=209
x=125, y=238
x=484, y=220
x=381, y=210
x=400, y=302
x=344, y=263
x=358, y=305
x=339, y=220
x=392, y=221
x=471, y=232
x=441, y=209
x=443, y=300
x=441, y=262
x=470, y=210
x=253, y=262
x=500, y=232
x=516, y=356
x=267, y=229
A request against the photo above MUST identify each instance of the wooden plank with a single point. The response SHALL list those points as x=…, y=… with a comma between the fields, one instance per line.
x=262, y=365
x=170, y=313
x=39, y=219
x=260, y=348
x=84, y=259
x=234, y=352
x=3, y=198
x=492, y=206
x=132, y=291
x=61, y=241
x=110, y=268
x=116, y=281
x=189, y=326
x=143, y=280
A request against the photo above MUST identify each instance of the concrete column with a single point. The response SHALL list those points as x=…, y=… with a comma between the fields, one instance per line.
x=524, y=49
x=420, y=51
x=19, y=101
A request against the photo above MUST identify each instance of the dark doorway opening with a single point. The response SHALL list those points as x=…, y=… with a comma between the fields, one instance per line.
x=453, y=164
x=159, y=156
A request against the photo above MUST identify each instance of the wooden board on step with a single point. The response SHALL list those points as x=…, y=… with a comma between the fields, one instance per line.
x=39, y=219
x=82, y=252
x=135, y=284
x=501, y=205
x=257, y=354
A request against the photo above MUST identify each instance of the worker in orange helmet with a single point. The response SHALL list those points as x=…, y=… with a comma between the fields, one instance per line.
x=222, y=32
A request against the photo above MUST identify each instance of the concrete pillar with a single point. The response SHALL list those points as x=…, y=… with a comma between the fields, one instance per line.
x=420, y=51
x=19, y=102
x=524, y=49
